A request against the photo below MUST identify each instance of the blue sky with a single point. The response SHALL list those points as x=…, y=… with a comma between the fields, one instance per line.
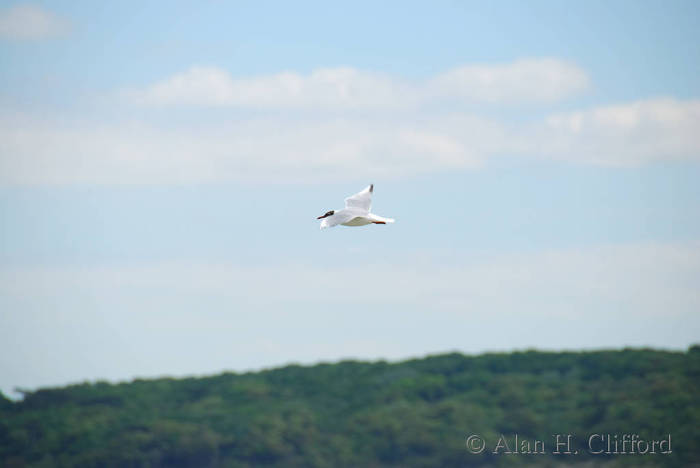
x=162, y=165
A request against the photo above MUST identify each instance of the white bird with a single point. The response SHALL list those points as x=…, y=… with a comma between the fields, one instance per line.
x=355, y=213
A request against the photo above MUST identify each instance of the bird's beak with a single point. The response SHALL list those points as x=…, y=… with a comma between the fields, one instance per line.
x=321, y=217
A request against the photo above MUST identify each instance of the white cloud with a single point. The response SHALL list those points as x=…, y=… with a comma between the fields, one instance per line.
x=341, y=123
x=627, y=134
x=27, y=22
x=311, y=147
x=531, y=80
x=323, y=88
x=38, y=152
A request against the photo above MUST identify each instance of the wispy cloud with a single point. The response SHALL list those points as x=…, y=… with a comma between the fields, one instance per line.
x=325, y=88
x=626, y=134
x=343, y=123
x=30, y=22
x=266, y=149
x=527, y=80
x=530, y=80
x=299, y=148
x=647, y=277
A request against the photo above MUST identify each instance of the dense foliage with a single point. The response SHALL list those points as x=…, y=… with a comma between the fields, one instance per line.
x=412, y=413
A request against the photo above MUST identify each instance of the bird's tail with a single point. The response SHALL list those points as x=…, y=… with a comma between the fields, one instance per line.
x=380, y=219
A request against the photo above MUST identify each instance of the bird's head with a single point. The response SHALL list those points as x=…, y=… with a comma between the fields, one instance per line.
x=330, y=213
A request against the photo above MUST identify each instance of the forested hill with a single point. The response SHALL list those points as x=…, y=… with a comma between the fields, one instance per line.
x=360, y=414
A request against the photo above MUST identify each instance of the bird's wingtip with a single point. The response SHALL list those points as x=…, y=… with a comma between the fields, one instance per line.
x=371, y=188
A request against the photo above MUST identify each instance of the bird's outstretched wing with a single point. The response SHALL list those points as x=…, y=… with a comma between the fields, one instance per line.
x=361, y=200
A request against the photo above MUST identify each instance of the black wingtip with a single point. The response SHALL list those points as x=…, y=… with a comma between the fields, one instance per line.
x=371, y=188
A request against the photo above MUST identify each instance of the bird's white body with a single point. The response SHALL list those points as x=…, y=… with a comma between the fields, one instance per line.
x=355, y=213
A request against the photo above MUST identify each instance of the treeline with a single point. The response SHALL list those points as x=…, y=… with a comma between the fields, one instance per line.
x=416, y=413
